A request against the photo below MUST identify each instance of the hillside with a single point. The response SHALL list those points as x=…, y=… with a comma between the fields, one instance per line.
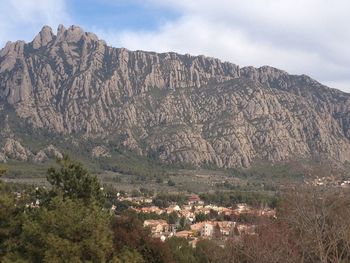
x=70, y=89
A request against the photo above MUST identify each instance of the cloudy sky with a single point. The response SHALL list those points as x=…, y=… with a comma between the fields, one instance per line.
x=300, y=36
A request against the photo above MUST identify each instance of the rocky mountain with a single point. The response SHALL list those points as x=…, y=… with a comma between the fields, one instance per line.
x=172, y=107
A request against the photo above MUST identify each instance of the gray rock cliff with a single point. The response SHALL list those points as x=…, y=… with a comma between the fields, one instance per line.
x=179, y=108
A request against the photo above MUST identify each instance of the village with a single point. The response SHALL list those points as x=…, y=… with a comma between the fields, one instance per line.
x=330, y=181
x=195, y=220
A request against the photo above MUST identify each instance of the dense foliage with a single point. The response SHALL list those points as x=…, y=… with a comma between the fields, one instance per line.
x=164, y=199
x=74, y=181
x=67, y=229
x=68, y=223
x=233, y=197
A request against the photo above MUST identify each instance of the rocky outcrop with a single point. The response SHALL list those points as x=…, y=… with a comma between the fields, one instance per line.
x=14, y=150
x=40, y=157
x=100, y=151
x=43, y=38
x=177, y=108
x=50, y=152
x=3, y=158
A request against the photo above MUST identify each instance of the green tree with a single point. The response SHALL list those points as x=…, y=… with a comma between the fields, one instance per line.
x=129, y=256
x=181, y=250
x=208, y=251
x=69, y=226
x=171, y=183
x=74, y=181
x=172, y=218
x=67, y=231
x=200, y=217
x=184, y=224
x=10, y=220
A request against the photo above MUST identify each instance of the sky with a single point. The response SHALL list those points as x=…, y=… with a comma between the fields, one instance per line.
x=309, y=37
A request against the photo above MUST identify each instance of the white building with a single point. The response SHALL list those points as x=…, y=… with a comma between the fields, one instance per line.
x=207, y=230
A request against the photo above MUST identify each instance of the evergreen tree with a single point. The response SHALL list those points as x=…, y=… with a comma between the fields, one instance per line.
x=67, y=231
x=172, y=218
x=181, y=250
x=74, y=181
x=10, y=219
x=129, y=256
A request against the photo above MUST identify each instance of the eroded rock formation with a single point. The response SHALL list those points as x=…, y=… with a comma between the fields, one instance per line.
x=178, y=108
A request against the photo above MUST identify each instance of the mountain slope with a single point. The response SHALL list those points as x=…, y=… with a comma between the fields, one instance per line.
x=176, y=108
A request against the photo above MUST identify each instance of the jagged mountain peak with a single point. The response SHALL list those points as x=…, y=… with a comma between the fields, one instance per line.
x=177, y=108
x=72, y=34
x=43, y=38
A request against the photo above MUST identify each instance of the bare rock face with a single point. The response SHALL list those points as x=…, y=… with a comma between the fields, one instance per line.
x=100, y=151
x=40, y=157
x=43, y=38
x=177, y=108
x=52, y=152
x=3, y=158
x=14, y=150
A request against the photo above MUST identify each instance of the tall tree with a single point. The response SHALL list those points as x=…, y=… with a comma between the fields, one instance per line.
x=67, y=231
x=10, y=218
x=74, y=181
x=70, y=226
x=173, y=218
x=320, y=219
x=181, y=250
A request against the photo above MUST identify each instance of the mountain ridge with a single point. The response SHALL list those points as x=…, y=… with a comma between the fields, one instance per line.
x=178, y=108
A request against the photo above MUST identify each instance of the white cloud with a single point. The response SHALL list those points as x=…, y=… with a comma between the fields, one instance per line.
x=301, y=36
x=22, y=19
